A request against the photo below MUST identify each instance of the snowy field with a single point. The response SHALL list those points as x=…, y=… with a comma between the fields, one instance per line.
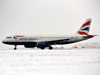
x=50, y=62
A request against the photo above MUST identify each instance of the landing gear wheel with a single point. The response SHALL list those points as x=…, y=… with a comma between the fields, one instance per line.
x=14, y=48
x=50, y=48
x=42, y=48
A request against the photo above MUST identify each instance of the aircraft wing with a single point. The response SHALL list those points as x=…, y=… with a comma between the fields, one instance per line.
x=53, y=41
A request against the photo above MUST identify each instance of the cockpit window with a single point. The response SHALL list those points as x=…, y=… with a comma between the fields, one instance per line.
x=8, y=37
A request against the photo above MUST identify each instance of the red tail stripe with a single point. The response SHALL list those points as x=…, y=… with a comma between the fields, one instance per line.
x=87, y=23
x=82, y=33
x=19, y=36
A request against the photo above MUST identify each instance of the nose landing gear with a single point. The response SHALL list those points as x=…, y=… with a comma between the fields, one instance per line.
x=15, y=47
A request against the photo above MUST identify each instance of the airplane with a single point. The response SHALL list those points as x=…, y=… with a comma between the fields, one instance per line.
x=43, y=41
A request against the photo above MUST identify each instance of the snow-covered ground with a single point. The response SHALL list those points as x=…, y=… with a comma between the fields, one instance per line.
x=95, y=45
x=50, y=62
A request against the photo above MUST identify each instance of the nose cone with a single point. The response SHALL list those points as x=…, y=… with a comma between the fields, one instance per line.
x=4, y=41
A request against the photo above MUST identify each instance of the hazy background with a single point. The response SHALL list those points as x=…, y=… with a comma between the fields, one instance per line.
x=47, y=17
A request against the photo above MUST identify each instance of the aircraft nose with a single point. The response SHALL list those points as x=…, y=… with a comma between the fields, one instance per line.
x=3, y=41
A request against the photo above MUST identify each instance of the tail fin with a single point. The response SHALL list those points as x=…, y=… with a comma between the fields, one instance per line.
x=84, y=30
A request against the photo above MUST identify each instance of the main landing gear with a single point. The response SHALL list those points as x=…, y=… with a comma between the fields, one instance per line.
x=15, y=47
x=42, y=48
x=50, y=47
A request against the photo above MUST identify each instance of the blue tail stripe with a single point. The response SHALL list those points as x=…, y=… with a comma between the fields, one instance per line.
x=87, y=29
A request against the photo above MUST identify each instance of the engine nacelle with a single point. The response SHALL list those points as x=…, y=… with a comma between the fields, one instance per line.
x=42, y=44
x=29, y=46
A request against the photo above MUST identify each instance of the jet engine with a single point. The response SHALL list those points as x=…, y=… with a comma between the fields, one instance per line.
x=41, y=44
x=29, y=46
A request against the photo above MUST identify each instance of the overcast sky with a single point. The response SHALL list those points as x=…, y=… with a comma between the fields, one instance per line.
x=48, y=17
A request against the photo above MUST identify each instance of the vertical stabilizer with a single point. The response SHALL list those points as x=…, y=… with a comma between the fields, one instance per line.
x=84, y=30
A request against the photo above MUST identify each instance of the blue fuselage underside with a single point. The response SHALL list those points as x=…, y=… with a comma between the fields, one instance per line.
x=32, y=43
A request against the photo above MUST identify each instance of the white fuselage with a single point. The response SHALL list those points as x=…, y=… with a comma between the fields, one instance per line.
x=43, y=38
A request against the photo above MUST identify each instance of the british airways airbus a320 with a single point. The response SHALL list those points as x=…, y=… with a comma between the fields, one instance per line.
x=43, y=41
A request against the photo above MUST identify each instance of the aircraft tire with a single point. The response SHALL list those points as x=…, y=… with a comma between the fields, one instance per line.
x=50, y=48
x=42, y=48
x=14, y=48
